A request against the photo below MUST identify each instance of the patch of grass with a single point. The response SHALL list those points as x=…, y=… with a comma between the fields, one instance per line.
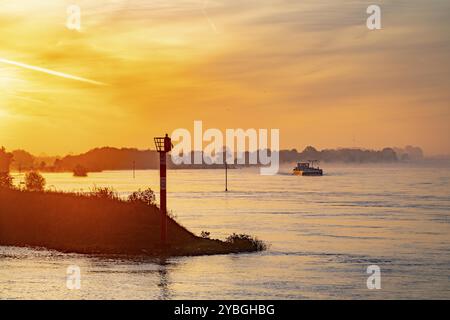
x=104, y=193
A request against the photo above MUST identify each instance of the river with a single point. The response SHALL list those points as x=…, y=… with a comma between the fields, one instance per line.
x=324, y=232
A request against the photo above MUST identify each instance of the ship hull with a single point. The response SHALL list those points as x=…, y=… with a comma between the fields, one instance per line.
x=308, y=173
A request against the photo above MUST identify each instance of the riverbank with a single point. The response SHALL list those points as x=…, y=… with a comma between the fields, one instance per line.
x=87, y=224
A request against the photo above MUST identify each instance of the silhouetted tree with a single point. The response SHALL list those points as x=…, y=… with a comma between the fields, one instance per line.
x=23, y=160
x=389, y=155
x=5, y=160
x=34, y=181
x=310, y=153
x=80, y=171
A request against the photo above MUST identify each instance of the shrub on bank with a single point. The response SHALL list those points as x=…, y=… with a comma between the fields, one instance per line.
x=205, y=235
x=146, y=197
x=6, y=181
x=34, y=181
x=245, y=240
x=80, y=171
x=103, y=193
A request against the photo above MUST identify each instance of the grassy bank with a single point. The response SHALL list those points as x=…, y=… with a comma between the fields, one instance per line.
x=91, y=224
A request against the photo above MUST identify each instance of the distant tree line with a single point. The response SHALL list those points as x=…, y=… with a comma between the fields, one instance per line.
x=345, y=155
x=108, y=158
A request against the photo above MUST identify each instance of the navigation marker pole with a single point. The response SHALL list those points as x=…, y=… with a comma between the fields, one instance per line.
x=163, y=146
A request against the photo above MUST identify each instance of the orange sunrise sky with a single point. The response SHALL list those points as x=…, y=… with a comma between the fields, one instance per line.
x=138, y=69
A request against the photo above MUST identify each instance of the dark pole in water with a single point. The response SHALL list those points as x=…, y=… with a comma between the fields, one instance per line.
x=134, y=169
x=226, y=176
x=226, y=167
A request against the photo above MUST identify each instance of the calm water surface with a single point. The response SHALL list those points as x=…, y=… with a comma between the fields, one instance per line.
x=324, y=232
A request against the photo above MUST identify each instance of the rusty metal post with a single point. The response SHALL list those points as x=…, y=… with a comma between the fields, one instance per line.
x=163, y=195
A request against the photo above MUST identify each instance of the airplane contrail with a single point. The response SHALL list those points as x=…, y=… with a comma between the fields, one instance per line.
x=51, y=72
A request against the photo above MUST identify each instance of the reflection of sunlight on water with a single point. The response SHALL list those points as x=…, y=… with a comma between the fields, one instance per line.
x=323, y=231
